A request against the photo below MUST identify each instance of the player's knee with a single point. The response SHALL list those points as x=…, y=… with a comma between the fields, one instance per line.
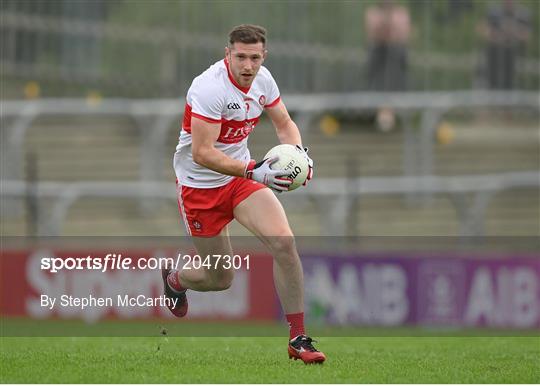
x=283, y=244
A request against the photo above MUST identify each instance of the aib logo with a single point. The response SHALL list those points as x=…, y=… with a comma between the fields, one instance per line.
x=233, y=106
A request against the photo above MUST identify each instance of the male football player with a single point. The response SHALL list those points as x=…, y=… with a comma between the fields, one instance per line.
x=217, y=181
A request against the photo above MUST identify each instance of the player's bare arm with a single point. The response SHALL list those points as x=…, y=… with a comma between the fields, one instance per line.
x=286, y=129
x=204, y=135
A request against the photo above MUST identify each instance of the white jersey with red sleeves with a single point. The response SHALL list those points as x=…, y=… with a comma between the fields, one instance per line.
x=214, y=96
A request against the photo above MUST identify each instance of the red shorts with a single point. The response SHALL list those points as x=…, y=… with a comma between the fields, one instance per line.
x=207, y=211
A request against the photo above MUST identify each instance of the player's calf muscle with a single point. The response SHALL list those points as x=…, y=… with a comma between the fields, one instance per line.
x=222, y=284
x=221, y=278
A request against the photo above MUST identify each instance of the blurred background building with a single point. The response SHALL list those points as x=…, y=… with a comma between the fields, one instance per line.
x=460, y=80
x=153, y=49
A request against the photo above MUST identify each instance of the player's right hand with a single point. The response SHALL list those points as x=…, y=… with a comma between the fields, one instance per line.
x=263, y=173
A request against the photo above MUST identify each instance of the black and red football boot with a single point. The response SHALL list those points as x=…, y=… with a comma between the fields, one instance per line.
x=301, y=348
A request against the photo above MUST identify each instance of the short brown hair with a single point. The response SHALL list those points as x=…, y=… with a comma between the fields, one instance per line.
x=248, y=34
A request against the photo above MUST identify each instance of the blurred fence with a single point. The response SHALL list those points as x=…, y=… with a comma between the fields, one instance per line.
x=334, y=197
x=135, y=48
x=417, y=146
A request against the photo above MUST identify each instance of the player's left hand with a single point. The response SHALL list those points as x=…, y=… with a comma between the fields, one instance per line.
x=310, y=163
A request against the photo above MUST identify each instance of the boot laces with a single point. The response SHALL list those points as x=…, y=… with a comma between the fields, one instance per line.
x=305, y=342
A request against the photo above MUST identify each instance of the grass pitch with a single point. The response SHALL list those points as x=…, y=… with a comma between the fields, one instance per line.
x=265, y=360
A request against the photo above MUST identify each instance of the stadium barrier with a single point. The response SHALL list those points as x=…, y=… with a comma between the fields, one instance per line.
x=334, y=196
x=433, y=289
x=417, y=145
x=18, y=116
